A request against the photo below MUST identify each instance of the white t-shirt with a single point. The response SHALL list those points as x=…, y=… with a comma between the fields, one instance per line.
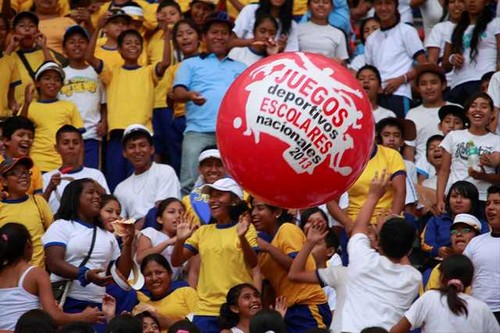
x=357, y=62
x=427, y=124
x=431, y=11
x=83, y=172
x=455, y=143
x=425, y=168
x=331, y=294
x=432, y=313
x=323, y=39
x=335, y=277
x=494, y=92
x=378, y=290
x=76, y=237
x=139, y=193
x=484, y=252
x=156, y=237
x=486, y=59
x=411, y=180
x=405, y=11
x=84, y=88
x=245, y=55
x=381, y=113
x=392, y=52
x=243, y=27
x=437, y=38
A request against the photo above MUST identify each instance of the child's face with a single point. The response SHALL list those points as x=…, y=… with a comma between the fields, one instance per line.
x=479, y=113
x=435, y=154
x=385, y=10
x=451, y=123
x=474, y=7
x=249, y=303
x=20, y=143
x=461, y=235
x=265, y=30
x=493, y=211
x=170, y=217
x=131, y=48
x=49, y=84
x=459, y=203
x=75, y=47
x=115, y=27
x=70, y=147
x=391, y=137
x=430, y=88
x=200, y=11
x=18, y=179
x=110, y=212
x=217, y=38
x=263, y=218
x=320, y=9
x=27, y=29
x=149, y=325
x=455, y=9
x=187, y=39
x=212, y=169
x=369, y=28
x=370, y=83
x=314, y=218
x=169, y=15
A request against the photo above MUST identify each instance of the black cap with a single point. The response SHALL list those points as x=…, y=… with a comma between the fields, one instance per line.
x=453, y=109
x=75, y=29
x=219, y=17
x=22, y=15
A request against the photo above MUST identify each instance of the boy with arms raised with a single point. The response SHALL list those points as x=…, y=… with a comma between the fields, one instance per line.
x=379, y=286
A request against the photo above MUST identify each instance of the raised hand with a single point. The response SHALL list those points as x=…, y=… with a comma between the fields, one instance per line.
x=185, y=228
x=243, y=224
x=93, y=315
x=108, y=306
x=95, y=276
x=280, y=305
x=317, y=232
x=378, y=184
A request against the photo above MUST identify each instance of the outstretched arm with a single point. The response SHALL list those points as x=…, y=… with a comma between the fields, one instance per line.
x=162, y=66
x=90, y=52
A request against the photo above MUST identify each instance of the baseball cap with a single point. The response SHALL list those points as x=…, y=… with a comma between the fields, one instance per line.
x=118, y=12
x=135, y=128
x=430, y=68
x=9, y=162
x=75, y=29
x=49, y=66
x=468, y=219
x=134, y=10
x=453, y=109
x=21, y=15
x=209, y=153
x=219, y=17
x=224, y=185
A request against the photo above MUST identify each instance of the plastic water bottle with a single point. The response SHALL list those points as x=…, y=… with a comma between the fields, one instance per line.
x=473, y=156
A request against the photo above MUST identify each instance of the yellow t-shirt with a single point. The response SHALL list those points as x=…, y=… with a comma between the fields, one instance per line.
x=222, y=264
x=26, y=5
x=299, y=7
x=130, y=95
x=112, y=57
x=36, y=186
x=382, y=158
x=176, y=305
x=48, y=117
x=434, y=281
x=9, y=78
x=35, y=59
x=168, y=82
x=289, y=240
x=54, y=30
x=35, y=216
x=155, y=55
x=149, y=13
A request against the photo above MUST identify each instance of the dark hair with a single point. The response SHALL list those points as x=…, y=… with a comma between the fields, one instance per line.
x=105, y=198
x=457, y=267
x=169, y=3
x=374, y=329
x=157, y=258
x=362, y=27
x=467, y=190
x=306, y=214
x=435, y=137
x=494, y=189
x=285, y=14
x=473, y=97
x=13, y=239
x=135, y=136
x=124, y=323
x=147, y=314
x=396, y=11
x=331, y=239
x=236, y=210
x=483, y=19
x=12, y=124
x=162, y=206
x=227, y=318
x=267, y=320
x=70, y=201
x=263, y=18
x=388, y=122
x=486, y=76
x=129, y=32
x=192, y=25
x=35, y=321
x=77, y=327
x=396, y=238
x=5, y=21
x=67, y=129
x=183, y=325
x=373, y=69
x=282, y=218
x=445, y=10
x=317, y=330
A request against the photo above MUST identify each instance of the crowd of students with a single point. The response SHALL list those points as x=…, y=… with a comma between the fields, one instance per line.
x=122, y=97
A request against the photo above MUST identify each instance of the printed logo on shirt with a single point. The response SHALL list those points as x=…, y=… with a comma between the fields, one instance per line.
x=461, y=151
x=79, y=84
x=468, y=37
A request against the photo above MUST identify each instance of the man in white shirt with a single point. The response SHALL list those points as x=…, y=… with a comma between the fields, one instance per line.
x=150, y=182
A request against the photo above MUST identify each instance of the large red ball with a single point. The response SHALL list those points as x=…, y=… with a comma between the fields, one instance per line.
x=295, y=129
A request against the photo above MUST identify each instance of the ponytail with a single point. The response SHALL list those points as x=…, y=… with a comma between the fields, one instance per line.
x=13, y=239
x=227, y=318
x=456, y=275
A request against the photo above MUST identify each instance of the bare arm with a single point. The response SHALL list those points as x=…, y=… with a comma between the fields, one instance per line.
x=180, y=254
x=145, y=247
x=443, y=175
x=125, y=262
x=338, y=214
x=182, y=95
x=433, y=54
x=416, y=3
x=249, y=254
x=90, y=52
x=162, y=66
x=282, y=259
x=399, y=185
x=298, y=271
x=403, y=326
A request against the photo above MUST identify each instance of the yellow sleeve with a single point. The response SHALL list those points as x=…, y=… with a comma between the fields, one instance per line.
x=251, y=236
x=396, y=163
x=76, y=118
x=106, y=73
x=434, y=281
x=190, y=297
x=193, y=242
x=14, y=73
x=291, y=239
x=149, y=14
x=36, y=180
x=152, y=73
x=45, y=210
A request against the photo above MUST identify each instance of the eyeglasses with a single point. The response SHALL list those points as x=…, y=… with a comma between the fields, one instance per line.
x=461, y=231
x=19, y=174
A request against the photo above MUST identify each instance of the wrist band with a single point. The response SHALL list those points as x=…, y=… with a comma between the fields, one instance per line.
x=82, y=276
x=450, y=58
x=406, y=78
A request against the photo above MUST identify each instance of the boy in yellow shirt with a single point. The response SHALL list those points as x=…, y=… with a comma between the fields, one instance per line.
x=49, y=114
x=10, y=74
x=129, y=92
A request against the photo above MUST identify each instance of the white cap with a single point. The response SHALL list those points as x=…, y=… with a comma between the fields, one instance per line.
x=135, y=12
x=224, y=185
x=209, y=153
x=135, y=128
x=49, y=66
x=468, y=219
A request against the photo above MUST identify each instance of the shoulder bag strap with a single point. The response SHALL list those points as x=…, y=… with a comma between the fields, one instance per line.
x=26, y=64
x=86, y=259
